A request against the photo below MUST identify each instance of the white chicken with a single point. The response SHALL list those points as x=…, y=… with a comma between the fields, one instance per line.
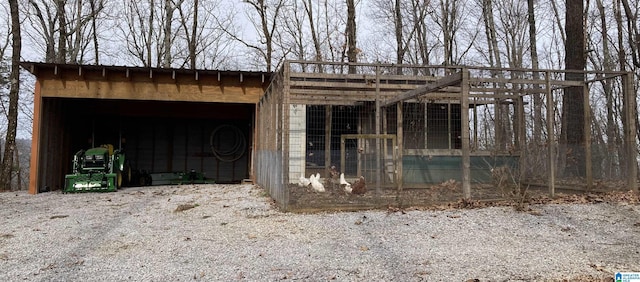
x=344, y=184
x=316, y=184
x=304, y=182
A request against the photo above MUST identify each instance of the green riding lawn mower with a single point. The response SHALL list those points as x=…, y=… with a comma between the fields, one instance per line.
x=99, y=169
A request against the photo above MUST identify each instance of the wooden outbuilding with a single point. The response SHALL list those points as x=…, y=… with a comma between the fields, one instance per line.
x=166, y=120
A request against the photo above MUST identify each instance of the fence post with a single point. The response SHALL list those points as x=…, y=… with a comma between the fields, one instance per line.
x=630, y=110
x=466, y=148
x=551, y=170
x=587, y=137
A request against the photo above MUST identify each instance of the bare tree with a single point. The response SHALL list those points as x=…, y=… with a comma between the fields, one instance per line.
x=572, y=135
x=293, y=39
x=265, y=21
x=14, y=78
x=201, y=38
x=96, y=6
x=138, y=31
x=422, y=48
x=65, y=29
x=447, y=22
x=169, y=35
x=350, y=31
x=144, y=42
x=533, y=50
x=308, y=7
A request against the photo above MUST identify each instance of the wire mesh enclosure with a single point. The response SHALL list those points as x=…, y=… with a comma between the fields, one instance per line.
x=348, y=136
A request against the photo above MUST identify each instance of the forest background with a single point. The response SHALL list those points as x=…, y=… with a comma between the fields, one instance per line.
x=260, y=34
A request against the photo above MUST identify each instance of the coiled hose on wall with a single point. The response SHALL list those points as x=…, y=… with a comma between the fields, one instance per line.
x=227, y=143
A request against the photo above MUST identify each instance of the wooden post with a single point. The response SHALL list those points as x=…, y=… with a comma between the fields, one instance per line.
x=385, y=143
x=587, y=137
x=449, y=124
x=631, y=112
x=426, y=127
x=34, y=166
x=551, y=170
x=400, y=144
x=379, y=169
x=522, y=138
x=466, y=154
x=475, y=124
x=284, y=124
x=343, y=156
x=327, y=139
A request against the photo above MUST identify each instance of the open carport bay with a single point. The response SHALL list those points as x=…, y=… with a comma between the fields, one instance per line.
x=158, y=137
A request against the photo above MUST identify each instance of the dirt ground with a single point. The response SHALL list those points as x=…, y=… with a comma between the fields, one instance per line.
x=449, y=195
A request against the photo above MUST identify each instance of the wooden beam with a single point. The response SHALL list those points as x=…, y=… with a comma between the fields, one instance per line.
x=491, y=80
x=164, y=90
x=449, y=80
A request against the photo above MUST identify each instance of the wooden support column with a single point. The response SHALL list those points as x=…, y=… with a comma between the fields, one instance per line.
x=631, y=112
x=284, y=131
x=466, y=149
x=587, y=137
x=551, y=169
x=34, y=169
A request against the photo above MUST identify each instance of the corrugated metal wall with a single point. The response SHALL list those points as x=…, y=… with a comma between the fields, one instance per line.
x=271, y=127
x=178, y=145
x=166, y=137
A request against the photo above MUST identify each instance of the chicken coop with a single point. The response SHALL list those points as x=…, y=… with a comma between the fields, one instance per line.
x=406, y=135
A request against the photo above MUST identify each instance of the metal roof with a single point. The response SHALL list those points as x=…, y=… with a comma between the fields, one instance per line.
x=36, y=67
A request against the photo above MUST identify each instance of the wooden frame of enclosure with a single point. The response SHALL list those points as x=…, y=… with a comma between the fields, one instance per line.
x=100, y=83
x=331, y=84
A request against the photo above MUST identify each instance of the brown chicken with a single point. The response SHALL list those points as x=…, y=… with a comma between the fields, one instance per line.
x=359, y=187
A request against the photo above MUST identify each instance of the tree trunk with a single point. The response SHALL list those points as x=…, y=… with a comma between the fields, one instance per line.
x=607, y=65
x=168, y=9
x=419, y=11
x=96, y=50
x=352, y=52
x=14, y=78
x=572, y=135
x=308, y=6
x=194, y=36
x=537, y=98
x=501, y=121
x=397, y=16
x=62, y=32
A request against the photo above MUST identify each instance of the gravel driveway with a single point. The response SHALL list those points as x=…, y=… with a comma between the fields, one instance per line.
x=232, y=232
